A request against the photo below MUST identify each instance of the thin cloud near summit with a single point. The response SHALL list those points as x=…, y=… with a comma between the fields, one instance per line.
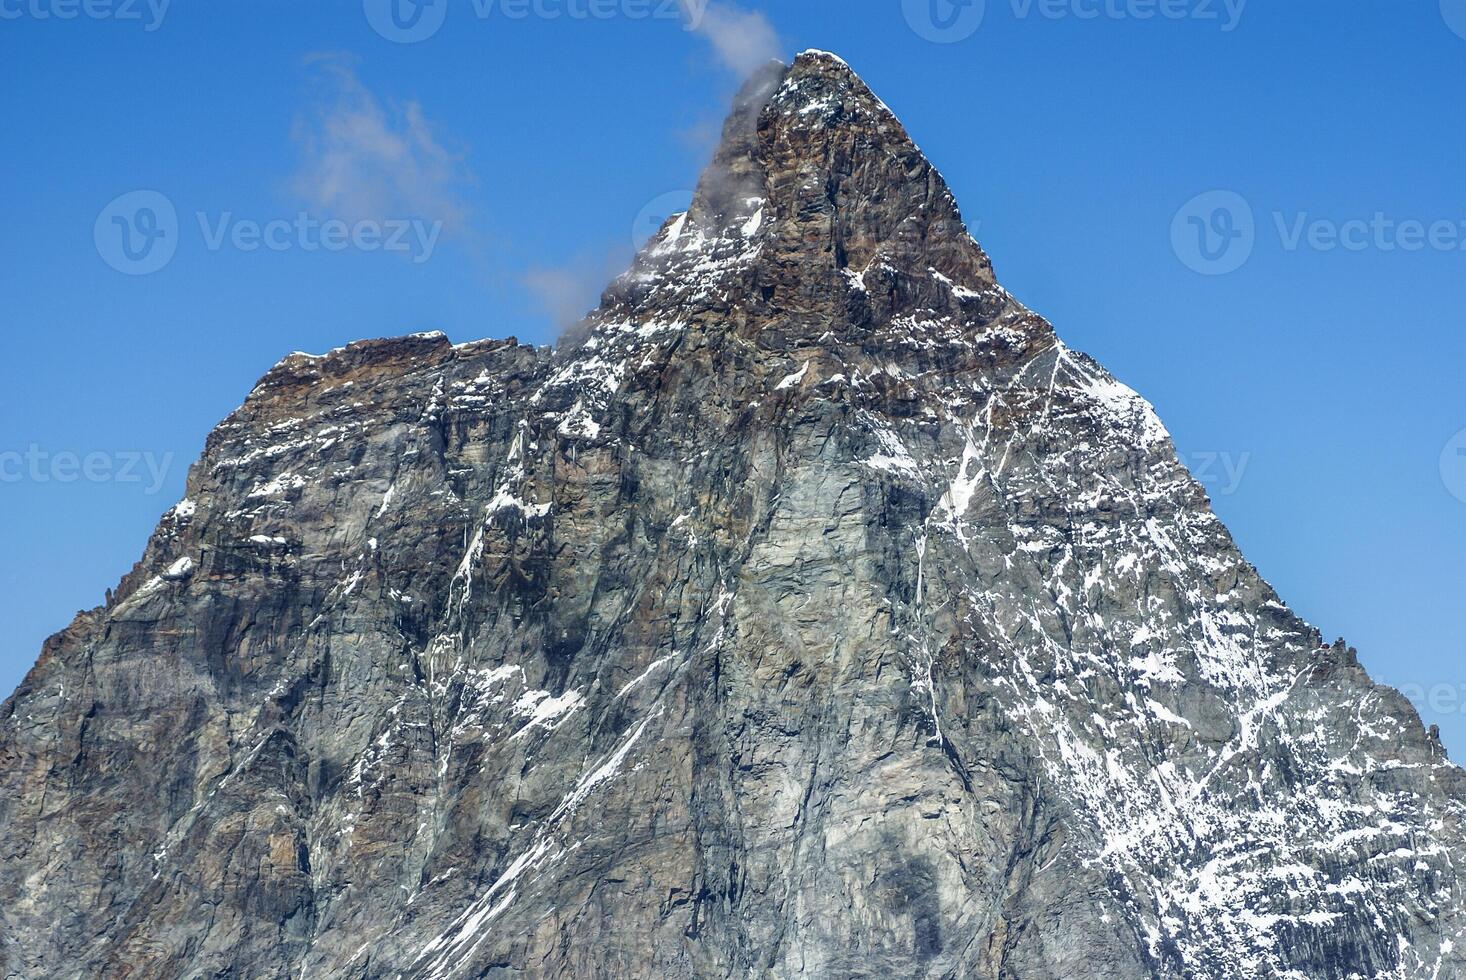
x=363, y=161
x=744, y=40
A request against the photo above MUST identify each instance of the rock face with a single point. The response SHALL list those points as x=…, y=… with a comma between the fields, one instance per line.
x=815, y=613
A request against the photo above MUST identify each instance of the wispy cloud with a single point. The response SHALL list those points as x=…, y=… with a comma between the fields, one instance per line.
x=743, y=39
x=568, y=292
x=700, y=138
x=363, y=161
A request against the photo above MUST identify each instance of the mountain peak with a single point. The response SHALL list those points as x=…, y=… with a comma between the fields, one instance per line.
x=821, y=78
x=820, y=57
x=815, y=182
x=818, y=613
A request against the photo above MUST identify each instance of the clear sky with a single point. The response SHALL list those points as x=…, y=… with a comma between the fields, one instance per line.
x=1302, y=339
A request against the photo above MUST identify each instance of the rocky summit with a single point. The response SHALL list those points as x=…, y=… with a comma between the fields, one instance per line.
x=813, y=611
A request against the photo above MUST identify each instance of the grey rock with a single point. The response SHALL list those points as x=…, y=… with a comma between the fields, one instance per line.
x=814, y=612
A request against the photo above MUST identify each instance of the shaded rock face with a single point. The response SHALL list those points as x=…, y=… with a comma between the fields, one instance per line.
x=815, y=613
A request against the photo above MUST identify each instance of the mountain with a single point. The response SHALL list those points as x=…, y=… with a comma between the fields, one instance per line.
x=813, y=612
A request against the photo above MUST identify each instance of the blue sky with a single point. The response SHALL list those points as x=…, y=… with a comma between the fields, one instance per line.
x=1301, y=338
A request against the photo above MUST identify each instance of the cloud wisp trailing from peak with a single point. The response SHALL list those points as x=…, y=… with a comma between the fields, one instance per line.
x=570, y=291
x=363, y=161
x=744, y=40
